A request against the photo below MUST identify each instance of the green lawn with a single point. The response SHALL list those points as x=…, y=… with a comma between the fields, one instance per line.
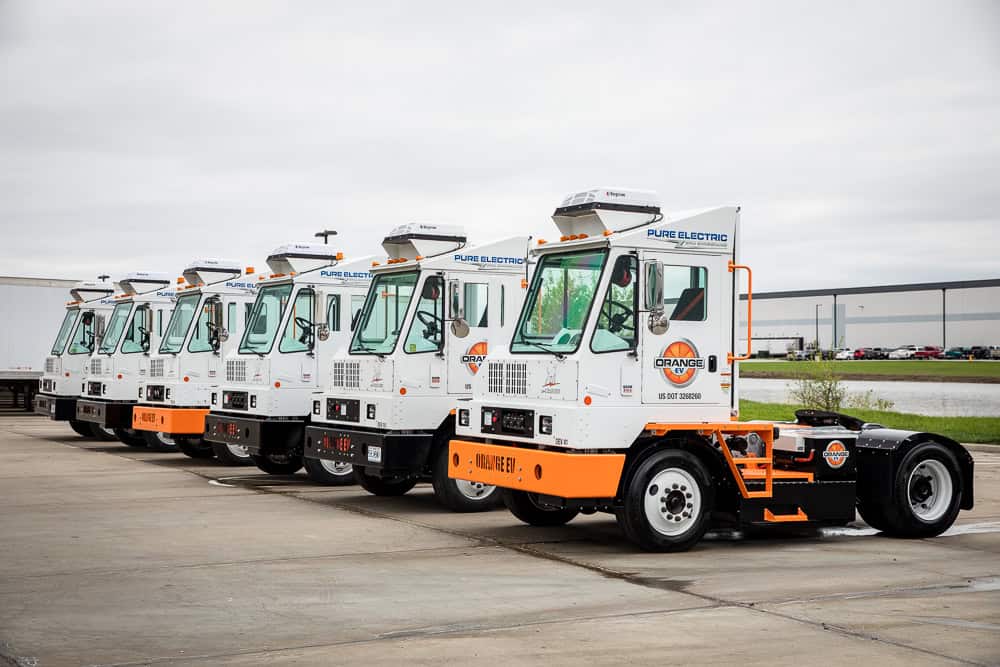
x=918, y=369
x=962, y=429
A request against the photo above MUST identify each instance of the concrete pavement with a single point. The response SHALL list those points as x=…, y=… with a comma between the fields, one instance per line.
x=118, y=556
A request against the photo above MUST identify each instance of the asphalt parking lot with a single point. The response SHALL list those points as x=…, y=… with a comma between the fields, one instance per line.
x=117, y=556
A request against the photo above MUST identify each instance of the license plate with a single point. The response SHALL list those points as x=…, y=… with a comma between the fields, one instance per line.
x=374, y=454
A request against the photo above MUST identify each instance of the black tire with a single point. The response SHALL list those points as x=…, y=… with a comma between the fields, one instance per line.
x=159, y=442
x=98, y=433
x=81, y=428
x=223, y=454
x=898, y=516
x=383, y=486
x=525, y=507
x=130, y=437
x=320, y=474
x=277, y=464
x=194, y=447
x=646, y=522
x=461, y=496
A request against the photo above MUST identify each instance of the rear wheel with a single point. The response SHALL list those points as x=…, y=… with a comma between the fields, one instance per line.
x=459, y=495
x=926, y=494
x=232, y=455
x=101, y=433
x=668, y=501
x=81, y=428
x=195, y=447
x=329, y=473
x=130, y=437
x=157, y=441
x=278, y=464
x=525, y=506
x=383, y=486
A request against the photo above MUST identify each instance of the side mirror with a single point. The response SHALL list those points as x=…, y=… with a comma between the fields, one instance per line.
x=223, y=335
x=456, y=308
x=658, y=322
x=322, y=331
x=459, y=328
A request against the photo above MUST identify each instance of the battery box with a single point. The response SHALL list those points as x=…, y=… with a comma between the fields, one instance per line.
x=828, y=452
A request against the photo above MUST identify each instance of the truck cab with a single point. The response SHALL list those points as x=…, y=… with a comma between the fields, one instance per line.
x=617, y=392
x=302, y=315
x=388, y=408
x=108, y=390
x=183, y=375
x=77, y=338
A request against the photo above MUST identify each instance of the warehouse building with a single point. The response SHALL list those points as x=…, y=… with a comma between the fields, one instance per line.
x=949, y=314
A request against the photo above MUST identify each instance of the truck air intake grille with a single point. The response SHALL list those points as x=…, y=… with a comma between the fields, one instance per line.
x=347, y=374
x=156, y=368
x=236, y=370
x=509, y=378
x=51, y=365
x=95, y=366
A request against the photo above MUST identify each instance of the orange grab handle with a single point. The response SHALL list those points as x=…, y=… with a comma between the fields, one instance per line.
x=730, y=358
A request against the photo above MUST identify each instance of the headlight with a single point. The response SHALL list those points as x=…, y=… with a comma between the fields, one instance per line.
x=370, y=410
x=463, y=417
x=487, y=418
x=215, y=398
x=545, y=424
x=315, y=407
x=253, y=401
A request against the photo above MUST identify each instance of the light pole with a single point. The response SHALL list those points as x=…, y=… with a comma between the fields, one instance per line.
x=817, y=327
x=326, y=234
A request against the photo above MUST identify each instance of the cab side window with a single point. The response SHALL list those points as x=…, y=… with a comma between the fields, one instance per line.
x=427, y=327
x=685, y=292
x=616, y=321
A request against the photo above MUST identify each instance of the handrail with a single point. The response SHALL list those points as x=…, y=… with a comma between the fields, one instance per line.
x=730, y=357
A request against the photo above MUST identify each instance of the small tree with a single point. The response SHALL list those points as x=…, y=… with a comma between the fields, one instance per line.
x=818, y=387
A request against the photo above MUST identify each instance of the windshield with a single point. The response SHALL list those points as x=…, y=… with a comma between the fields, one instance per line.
x=556, y=307
x=83, y=338
x=180, y=320
x=265, y=318
x=63, y=335
x=384, y=311
x=116, y=325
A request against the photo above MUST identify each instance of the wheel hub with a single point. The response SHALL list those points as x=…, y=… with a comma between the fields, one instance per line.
x=930, y=490
x=473, y=490
x=672, y=502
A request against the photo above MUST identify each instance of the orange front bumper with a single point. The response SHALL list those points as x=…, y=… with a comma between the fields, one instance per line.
x=183, y=421
x=552, y=473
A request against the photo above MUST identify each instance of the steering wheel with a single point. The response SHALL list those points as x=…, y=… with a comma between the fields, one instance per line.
x=618, y=321
x=143, y=338
x=431, y=322
x=307, y=328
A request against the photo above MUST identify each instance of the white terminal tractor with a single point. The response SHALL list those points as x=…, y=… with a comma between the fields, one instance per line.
x=302, y=315
x=388, y=408
x=108, y=391
x=78, y=337
x=182, y=377
x=617, y=392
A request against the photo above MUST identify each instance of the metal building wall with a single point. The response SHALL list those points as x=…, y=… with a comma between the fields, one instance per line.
x=31, y=310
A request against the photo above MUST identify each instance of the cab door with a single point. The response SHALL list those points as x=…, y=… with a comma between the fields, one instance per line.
x=686, y=365
x=480, y=296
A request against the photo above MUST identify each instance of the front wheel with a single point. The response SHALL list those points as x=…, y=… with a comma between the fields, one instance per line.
x=329, y=473
x=232, y=455
x=668, y=501
x=459, y=495
x=383, y=486
x=525, y=506
x=81, y=428
x=130, y=437
x=278, y=464
x=157, y=441
x=194, y=447
x=102, y=433
x=926, y=494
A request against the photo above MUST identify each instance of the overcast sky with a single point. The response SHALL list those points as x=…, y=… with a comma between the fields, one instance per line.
x=861, y=139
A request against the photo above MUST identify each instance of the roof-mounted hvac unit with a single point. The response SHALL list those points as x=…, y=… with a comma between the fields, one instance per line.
x=209, y=270
x=593, y=212
x=302, y=257
x=140, y=282
x=421, y=239
x=88, y=290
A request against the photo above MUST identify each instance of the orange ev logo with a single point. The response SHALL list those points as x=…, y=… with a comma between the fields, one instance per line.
x=835, y=454
x=474, y=356
x=680, y=362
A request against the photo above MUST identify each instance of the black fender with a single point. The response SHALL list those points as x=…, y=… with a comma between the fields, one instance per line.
x=880, y=451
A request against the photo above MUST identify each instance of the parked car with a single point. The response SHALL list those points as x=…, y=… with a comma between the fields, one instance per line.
x=905, y=352
x=801, y=355
x=956, y=353
x=979, y=352
x=876, y=353
x=929, y=352
x=843, y=354
x=995, y=352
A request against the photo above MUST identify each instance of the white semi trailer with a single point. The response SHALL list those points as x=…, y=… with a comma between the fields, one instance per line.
x=109, y=387
x=388, y=409
x=302, y=316
x=180, y=380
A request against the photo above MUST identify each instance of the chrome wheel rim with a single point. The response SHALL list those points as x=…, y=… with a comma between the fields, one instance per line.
x=239, y=451
x=929, y=489
x=337, y=468
x=165, y=439
x=672, y=502
x=110, y=432
x=474, y=490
